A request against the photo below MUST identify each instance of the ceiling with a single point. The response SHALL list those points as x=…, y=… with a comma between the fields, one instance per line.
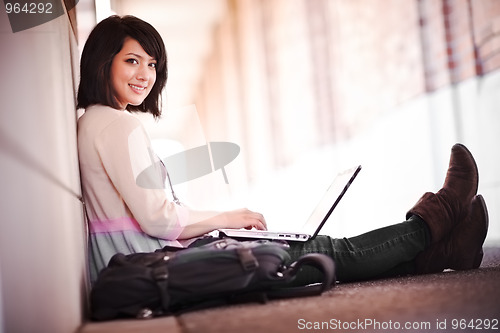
x=186, y=27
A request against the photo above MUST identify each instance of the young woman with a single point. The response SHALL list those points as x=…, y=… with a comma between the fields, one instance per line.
x=124, y=68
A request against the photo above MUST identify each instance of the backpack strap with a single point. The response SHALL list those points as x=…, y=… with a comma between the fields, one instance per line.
x=322, y=262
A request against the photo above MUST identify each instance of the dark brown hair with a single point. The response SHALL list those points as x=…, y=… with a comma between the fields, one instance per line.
x=103, y=43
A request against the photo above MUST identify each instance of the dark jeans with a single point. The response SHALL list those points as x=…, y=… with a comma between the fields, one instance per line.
x=384, y=252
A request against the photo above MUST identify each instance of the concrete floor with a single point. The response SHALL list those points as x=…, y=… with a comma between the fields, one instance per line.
x=452, y=301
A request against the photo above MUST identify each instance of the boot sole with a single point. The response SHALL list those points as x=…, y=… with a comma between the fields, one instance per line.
x=479, y=256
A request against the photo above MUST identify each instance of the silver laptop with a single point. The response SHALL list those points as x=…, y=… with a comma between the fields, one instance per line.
x=317, y=219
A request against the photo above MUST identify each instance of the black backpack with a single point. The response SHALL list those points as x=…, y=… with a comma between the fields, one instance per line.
x=146, y=285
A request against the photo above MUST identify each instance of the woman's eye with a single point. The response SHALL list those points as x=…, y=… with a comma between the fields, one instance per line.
x=153, y=65
x=132, y=61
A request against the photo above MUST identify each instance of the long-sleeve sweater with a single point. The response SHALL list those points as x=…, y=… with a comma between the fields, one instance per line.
x=124, y=214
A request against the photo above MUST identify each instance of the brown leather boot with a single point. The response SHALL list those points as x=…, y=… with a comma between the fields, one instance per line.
x=463, y=248
x=451, y=204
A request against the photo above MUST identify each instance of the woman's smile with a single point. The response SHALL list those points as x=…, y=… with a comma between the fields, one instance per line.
x=138, y=89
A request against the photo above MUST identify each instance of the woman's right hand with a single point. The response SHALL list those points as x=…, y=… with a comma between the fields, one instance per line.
x=205, y=222
x=244, y=218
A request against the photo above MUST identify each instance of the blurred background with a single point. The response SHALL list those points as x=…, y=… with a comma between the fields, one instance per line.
x=305, y=88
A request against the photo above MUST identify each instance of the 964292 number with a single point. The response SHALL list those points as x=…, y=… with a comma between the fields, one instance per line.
x=475, y=324
x=28, y=8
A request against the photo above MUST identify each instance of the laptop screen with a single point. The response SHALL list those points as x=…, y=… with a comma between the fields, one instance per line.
x=330, y=200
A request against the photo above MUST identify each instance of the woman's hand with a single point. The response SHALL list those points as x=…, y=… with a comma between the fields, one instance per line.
x=244, y=218
x=204, y=222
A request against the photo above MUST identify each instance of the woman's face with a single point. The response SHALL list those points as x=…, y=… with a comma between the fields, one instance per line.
x=133, y=74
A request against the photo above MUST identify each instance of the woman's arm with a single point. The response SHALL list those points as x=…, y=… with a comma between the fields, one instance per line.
x=204, y=222
x=125, y=151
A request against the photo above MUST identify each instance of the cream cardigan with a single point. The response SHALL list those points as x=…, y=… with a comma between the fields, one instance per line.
x=113, y=149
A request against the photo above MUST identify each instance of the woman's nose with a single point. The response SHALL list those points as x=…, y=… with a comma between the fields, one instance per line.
x=142, y=73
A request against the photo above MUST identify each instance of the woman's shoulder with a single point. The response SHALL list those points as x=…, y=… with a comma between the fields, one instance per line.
x=103, y=118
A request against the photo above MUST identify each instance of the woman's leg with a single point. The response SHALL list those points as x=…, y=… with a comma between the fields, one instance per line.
x=387, y=251
x=392, y=250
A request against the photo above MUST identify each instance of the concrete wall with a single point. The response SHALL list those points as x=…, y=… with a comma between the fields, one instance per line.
x=42, y=233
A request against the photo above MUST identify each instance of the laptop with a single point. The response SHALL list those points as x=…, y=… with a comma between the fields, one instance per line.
x=316, y=220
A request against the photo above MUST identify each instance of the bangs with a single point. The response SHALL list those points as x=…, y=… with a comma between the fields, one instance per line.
x=150, y=40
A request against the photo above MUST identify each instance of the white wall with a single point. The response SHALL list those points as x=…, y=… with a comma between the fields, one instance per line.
x=42, y=247
x=404, y=153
